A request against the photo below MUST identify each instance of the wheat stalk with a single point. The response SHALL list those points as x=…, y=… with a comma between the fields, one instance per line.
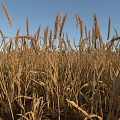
x=16, y=39
x=93, y=35
x=84, y=112
x=28, y=37
x=89, y=37
x=101, y=42
x=116, y=32
x=36, y=35
x=85, y=31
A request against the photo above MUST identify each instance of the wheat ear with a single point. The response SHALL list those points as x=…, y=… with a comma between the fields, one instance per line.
x=109, y=23
x=62, y=24
x=81, y=25
x=8, y=16
x=56, y=26
x=27, y=26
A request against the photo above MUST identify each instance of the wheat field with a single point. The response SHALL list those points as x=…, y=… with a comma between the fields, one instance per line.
x=42, y=81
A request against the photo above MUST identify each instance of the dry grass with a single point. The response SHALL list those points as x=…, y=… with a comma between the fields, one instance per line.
x=38, y=81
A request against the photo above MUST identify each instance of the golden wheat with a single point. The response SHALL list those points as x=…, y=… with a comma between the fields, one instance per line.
x=39, y=81
x=56, y=26
x=8, y=16
x=109, y=23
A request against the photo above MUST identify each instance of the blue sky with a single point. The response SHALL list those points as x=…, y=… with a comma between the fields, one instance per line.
x=43, y=12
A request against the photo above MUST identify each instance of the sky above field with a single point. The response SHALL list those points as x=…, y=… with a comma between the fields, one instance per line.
x=43, y=12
